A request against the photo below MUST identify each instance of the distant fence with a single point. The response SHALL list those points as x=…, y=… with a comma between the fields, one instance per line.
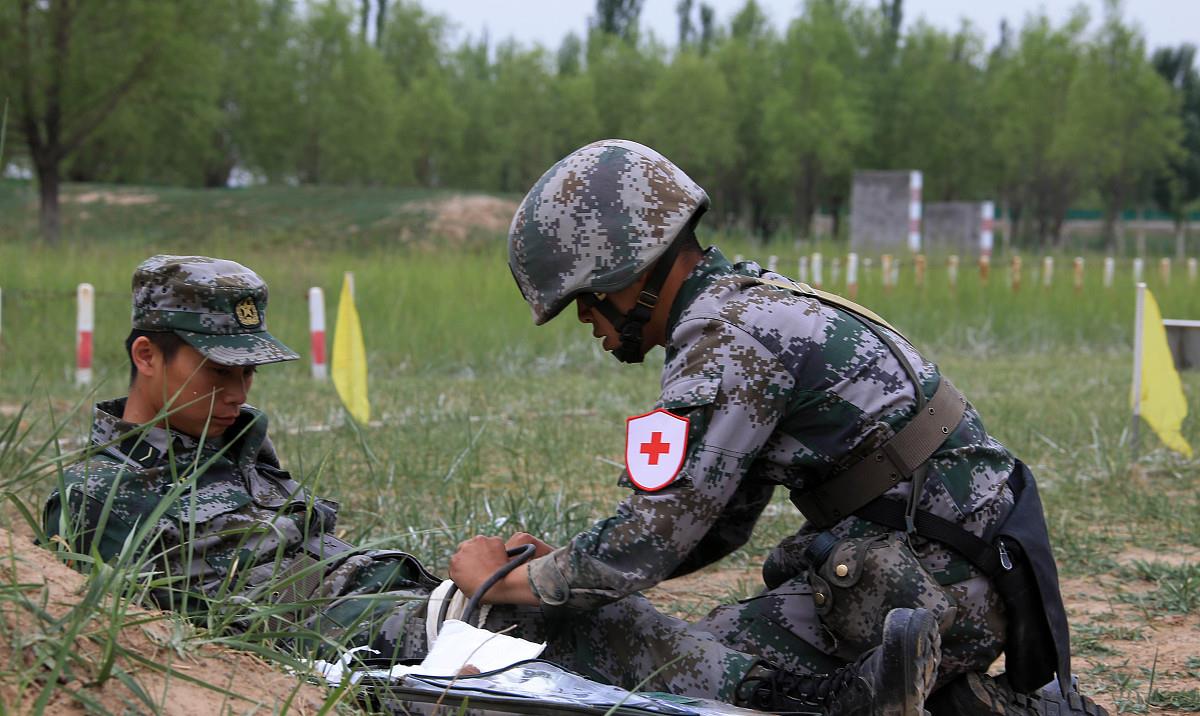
x=845, y=274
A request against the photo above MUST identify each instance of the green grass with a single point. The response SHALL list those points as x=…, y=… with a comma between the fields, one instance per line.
x=487, y=424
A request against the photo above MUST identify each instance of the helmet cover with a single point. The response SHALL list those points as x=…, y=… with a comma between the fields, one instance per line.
x=595, y=221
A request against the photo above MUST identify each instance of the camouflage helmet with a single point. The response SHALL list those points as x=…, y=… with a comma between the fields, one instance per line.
x=218, y=307
x=596, y=220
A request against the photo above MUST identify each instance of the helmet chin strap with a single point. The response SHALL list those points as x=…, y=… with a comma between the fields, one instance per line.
x=631, y=325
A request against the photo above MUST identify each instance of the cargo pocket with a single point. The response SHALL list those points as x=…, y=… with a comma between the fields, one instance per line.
x=866, y=577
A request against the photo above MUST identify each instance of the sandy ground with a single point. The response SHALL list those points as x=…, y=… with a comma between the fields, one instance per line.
x=255, y=686
x=116, y=198
x=464, y=216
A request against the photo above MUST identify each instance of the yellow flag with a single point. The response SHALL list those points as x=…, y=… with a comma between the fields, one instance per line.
x=1163, y=405
x=349, y=362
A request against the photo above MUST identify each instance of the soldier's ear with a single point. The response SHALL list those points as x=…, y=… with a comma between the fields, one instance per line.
x=147, y=358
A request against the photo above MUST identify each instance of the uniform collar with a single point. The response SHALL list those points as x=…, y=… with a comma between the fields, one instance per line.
x=711, y=266
x=146, y=445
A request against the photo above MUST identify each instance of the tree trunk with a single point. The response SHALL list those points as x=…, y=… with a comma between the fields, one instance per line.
x=48, y=214
x=1108, y=226
x=836, y=216
x=380, y=22
x=1141, y=233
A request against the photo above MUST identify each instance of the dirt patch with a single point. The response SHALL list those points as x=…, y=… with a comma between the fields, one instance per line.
x=122, y=198
x=1176, y=557
x=26, y=641
x=465, y=216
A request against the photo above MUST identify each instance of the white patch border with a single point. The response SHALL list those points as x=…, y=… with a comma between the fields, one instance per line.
x=687, y=424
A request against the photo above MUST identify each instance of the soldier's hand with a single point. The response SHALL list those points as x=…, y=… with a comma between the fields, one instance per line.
x=479, y=558
x=541, y=549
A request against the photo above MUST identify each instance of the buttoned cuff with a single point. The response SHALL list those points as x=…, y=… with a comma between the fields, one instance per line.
x=547, y=580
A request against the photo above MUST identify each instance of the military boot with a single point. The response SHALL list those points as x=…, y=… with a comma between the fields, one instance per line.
x=977, y=694
x=891, y=679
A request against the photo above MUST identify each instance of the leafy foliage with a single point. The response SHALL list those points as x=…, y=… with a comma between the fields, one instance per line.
x=772, y=120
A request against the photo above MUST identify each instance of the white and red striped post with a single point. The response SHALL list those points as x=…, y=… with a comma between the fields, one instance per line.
x=316, y=332
x=952, y=270
x=802, y=270
x=1191, y=269
x=1078, y=274
x=772, y=263
x=1138, y=269
x=914, y=211
x=1047, y=271
x=852, y=274
x=1110, y=268
x=85, y=323
x=885, y=267
x=987, y=224
x=835, y=271
x=816, y=269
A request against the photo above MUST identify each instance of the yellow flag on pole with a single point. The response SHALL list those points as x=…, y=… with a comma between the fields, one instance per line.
x=349, y=360
x=1159, y=396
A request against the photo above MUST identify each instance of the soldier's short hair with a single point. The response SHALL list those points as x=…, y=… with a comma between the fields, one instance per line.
x=168, y=343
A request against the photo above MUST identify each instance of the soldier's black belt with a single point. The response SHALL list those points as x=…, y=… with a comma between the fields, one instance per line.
x=892, y=462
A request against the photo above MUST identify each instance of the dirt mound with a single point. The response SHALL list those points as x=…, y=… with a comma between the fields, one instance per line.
x=38, y=603
x=464, y=216
x=118, y=198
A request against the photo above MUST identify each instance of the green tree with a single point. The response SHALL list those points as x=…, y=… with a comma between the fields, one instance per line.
x=1179, y=186
x=622, y=74
x=1030, y=88
x=345, y=88
x=942, y=111
x=698, y=133
x=69, y=66
x=747, y=58
x=618, y=18
x=1123, y=124
x=814, y=118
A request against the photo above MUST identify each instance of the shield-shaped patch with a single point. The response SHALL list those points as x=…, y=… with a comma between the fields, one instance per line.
x=655, y=444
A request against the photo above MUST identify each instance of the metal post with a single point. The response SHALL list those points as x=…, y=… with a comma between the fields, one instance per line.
x=316, y=330
x=85, y=323
x=1139, y=317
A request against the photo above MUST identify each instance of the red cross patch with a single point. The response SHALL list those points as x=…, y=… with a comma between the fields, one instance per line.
x=655, y=444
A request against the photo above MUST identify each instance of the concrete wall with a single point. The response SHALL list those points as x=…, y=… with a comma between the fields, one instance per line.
x=952, y=227
x=879, y=206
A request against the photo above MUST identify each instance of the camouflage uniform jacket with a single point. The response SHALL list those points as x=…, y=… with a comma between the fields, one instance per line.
x=780, y=390
x=231, y=523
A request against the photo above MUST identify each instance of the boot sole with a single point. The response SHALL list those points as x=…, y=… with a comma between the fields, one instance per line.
x=912, y=650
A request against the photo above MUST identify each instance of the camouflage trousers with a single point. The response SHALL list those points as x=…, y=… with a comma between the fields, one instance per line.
x=805, y=625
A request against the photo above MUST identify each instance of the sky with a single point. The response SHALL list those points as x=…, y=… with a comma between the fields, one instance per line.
x=1164, y=22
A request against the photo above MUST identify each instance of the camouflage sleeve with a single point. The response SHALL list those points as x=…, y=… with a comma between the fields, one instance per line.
x=83, y=524
x=734, y=391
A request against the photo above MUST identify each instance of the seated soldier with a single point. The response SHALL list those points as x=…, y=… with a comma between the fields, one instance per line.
x=236, y=531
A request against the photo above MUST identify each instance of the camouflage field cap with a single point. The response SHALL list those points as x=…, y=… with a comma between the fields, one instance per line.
x=595, y=220
x=219, y=307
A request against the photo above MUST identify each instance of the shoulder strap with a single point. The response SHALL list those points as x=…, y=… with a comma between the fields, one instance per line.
x=831, y=298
